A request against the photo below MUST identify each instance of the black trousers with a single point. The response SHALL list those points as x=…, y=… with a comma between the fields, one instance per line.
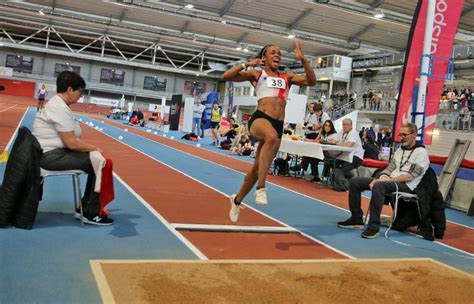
x=306, y=161
x=65, y=159
x=348, y=167
x=379, y=191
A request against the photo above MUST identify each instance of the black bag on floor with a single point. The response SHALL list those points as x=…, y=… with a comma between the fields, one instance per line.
x=281, y=167
x=341, y=183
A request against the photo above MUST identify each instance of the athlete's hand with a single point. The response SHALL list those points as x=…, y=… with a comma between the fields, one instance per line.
x=255, y=62
x=298, y=52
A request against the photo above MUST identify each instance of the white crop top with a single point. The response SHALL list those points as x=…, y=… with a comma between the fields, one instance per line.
x=268, y=86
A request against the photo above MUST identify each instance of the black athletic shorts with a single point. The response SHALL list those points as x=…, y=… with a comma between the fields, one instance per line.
x=214, y=124
x=277, y=124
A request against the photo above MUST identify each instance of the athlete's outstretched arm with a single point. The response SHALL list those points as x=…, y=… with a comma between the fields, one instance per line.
x=309, y=79
x=238, y=74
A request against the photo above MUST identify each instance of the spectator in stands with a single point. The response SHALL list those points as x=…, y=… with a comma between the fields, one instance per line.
x=387, y=140
x=141, y=118
x=353, y=99
x=348, y=137
x=403, y=174
x=376, y=100
x=198, y=109
x=216, y=116
x=59, y=136
x=362, y=132
x=370, y=149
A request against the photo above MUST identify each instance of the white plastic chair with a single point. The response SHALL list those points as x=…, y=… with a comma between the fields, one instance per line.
x=76, y=184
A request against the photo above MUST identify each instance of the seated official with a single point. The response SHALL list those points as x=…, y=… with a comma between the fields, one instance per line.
x=59, y=136
x=348, y=137
x=403, y=174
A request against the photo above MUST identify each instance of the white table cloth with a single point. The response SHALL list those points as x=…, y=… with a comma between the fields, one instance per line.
x=312, y=149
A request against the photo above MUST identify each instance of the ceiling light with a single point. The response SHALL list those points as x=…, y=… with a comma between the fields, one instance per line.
x=197, y=74
x=41, y=12
x=379, y=14
x=291, y=35
x=239, y=48
x=188, y=6
x=224, y=22
x=246, y=50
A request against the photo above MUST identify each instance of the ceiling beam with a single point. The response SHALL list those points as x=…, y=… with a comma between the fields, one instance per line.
x=185, y=27
x=376, y=3
x=467, y=10
x=361, y=32
x=228, y=5
x=122, y=15
x=299, y=18
x=242, y=37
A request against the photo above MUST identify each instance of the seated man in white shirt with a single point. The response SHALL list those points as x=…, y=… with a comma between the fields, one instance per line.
x=403, y=174
x=59, y=136
x=348, y=137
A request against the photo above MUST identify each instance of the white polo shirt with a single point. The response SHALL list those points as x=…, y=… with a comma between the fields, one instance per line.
x=55, y=117
x=353, y=137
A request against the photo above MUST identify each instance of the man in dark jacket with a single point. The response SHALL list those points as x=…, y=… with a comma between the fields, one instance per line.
x=404, y=172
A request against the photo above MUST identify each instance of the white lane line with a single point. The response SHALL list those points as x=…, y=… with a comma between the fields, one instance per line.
x=224, y=194
x=233, y=228
x=170, y=227
x=10, y=142
x=4, y=110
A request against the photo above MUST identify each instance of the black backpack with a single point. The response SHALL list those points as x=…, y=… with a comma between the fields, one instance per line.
x=281, y=167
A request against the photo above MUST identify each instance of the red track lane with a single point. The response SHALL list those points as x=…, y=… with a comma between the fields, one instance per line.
x=258, y=245
x=162, y=187
x=456, y=235
x=9, y=120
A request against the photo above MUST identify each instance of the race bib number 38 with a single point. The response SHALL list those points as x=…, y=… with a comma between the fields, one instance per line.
x=276, y=83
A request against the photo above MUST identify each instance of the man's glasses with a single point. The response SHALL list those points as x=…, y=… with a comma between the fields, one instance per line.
x=405, y=134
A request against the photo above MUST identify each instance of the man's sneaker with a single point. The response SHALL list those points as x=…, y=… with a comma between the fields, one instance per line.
x=316, y=179
x=234, y=209
x=261, y=197
x=351, y=223
x=100, y=220
x=370, y=233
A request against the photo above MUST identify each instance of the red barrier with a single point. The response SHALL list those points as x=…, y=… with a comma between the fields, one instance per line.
x=441, y=160
x=18, y=87
x=373, y=163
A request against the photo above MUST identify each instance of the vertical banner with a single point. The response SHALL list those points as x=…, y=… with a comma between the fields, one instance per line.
x=231, y=98
x=188, y=114
x=446, y=19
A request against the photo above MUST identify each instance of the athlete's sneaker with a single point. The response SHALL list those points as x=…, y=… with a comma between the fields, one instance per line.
x=100, y=220
x=261, y=197
x=234, y=209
